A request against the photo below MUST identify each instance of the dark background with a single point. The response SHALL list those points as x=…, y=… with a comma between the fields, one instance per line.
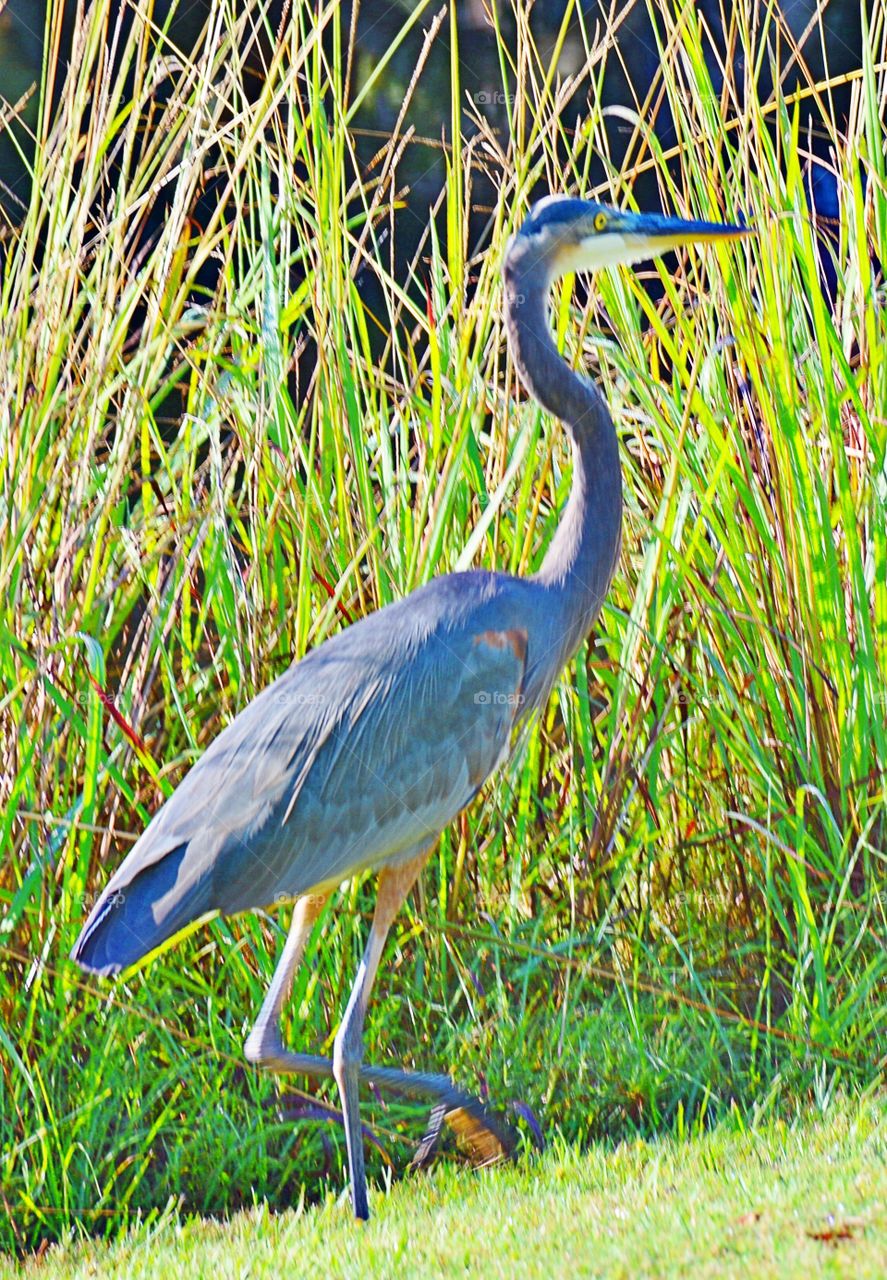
x=21, y=44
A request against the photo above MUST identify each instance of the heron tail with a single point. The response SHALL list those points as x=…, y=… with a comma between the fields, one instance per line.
x=129, y=921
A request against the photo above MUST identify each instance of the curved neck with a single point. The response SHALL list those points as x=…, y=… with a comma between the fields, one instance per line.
x=581, y=560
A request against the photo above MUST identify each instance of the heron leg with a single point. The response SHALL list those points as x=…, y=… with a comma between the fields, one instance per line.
x=394, y=885
x=264, y=1046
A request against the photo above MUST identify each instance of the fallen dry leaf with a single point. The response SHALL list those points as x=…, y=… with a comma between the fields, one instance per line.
x=749, y=1219
x=837, y=1231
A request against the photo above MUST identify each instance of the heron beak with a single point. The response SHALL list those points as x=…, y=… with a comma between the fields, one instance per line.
x=657, y=233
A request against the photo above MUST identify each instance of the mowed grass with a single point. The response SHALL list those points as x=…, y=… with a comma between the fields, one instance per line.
x=215, y=452
x=802, y=1200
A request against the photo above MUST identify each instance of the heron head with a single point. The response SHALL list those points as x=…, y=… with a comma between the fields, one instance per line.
x=567, y=234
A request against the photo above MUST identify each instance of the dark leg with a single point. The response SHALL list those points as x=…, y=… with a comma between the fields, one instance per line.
x=394, y=885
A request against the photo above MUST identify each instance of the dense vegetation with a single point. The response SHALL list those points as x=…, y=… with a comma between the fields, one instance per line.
x=671, y=904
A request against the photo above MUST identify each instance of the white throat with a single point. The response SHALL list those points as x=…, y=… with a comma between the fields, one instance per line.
x=611, y=249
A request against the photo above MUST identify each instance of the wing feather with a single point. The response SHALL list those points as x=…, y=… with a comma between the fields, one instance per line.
x=366, y=748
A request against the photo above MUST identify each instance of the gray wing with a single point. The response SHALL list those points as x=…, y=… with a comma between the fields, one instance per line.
x=365, y=749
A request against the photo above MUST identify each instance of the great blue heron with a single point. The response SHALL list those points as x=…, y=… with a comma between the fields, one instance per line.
x=361, y=753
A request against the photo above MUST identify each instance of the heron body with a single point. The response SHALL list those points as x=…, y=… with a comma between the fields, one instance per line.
x=365, y=750
x=356, y=757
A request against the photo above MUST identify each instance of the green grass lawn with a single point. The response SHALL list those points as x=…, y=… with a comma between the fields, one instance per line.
x=782, y=1200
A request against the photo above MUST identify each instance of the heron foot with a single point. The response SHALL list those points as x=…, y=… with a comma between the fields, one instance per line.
x=488, y=1136
x=427, y=1148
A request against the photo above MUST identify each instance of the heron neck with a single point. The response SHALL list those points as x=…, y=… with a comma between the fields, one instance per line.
x=581, y=559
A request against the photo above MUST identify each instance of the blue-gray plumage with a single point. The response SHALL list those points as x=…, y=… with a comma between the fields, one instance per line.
x=360, y=755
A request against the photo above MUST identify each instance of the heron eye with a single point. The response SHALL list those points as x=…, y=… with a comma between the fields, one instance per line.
x=600, y=221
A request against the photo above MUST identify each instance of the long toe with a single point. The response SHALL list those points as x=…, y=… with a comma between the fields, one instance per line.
x=427, y=1148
